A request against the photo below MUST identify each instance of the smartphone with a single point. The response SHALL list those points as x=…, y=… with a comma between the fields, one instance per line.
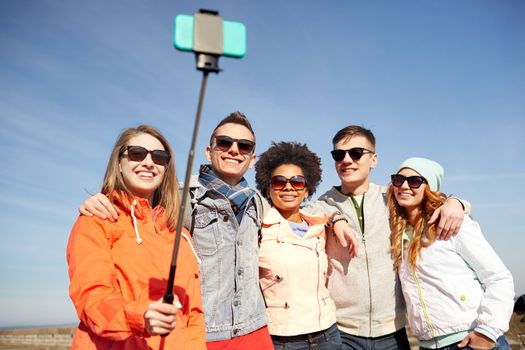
x=234, y=36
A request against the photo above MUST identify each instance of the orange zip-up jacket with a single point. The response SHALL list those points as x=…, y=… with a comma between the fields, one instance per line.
x=113, y=279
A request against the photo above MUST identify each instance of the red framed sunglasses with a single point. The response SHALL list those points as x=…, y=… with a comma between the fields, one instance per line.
x=298, y=182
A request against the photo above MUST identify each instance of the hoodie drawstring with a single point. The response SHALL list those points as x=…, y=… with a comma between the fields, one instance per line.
x=139, y=240
x=191, y=246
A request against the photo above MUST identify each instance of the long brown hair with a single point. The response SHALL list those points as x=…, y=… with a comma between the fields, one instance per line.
x=424, y=233
x=166, y=195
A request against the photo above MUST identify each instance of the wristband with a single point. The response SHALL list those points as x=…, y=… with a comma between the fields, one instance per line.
x=342, y=218
x=337, y=216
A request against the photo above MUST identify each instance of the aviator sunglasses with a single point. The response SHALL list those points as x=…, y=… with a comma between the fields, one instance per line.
x=224, y=143
x=139, y=153
x=355, y=153
x=298, y=182
x=412, y=181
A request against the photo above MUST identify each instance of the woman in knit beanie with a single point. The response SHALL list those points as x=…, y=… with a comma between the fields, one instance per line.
x=458, y=292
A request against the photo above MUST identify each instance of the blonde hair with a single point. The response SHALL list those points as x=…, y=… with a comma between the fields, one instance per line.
x=424, y=233
x=166, y=195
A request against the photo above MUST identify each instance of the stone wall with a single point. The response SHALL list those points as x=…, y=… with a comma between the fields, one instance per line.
x=51, y=338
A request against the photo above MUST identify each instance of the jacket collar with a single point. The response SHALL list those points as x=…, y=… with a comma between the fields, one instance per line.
x=125, y=202
x=274, y=217
x=315, y=222
x=141, y=209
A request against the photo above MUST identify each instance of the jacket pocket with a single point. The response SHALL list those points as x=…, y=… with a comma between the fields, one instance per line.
x=269, y=281
x=206, y=235
x=282, y=305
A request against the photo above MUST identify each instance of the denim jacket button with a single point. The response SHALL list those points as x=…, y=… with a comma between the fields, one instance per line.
x=225, y=218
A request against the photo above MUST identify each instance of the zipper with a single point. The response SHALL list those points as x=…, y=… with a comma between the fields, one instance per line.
x=279, y=306
x=318, y=280
x=362, y=228
x=276, y=279
x=369, y=287
x=425, y=311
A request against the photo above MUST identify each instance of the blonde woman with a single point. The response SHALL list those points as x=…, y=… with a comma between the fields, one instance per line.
x=118, y=270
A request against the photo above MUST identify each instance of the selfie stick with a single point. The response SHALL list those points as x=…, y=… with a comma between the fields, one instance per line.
x=168, y=296
x=208, y=46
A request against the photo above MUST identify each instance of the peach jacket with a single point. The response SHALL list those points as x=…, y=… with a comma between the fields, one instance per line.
x=293, y=274
x=117, y=269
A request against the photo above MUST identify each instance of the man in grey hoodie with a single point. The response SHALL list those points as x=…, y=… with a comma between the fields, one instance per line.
x=370, y=307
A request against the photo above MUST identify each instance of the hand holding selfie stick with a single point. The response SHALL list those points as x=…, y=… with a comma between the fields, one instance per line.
x=207, y=35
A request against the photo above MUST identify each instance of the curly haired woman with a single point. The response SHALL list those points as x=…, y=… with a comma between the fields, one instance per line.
x=118, y=270
x=293, y=265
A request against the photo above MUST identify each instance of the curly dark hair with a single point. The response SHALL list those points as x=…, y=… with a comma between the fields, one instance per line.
x=287, y=153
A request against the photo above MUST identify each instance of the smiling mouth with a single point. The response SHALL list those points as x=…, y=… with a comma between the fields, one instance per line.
x=145, y=175
x=232, y=160
x=348, y=170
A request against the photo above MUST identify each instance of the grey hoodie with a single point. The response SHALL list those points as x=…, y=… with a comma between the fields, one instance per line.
x=365, y=289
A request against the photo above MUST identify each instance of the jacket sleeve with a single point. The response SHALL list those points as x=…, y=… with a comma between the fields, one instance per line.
x=94, y=288
x=498, y=300
x=196, y=326
x=319, y=207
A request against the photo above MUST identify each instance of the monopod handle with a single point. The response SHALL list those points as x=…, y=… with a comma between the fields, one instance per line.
x=167, y=299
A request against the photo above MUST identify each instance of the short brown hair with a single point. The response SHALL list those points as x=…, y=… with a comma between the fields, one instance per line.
x=350, y=131
x=234, y=118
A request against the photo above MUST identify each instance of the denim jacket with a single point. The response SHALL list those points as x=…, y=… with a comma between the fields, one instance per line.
x=233, y=302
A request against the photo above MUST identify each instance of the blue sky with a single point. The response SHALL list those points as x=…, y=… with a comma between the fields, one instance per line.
x=439, y=79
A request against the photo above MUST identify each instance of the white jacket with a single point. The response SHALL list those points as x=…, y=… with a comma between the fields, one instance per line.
x=293, y=273
x=458, y=285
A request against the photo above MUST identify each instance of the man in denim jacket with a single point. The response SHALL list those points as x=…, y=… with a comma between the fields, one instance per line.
x=226, y=230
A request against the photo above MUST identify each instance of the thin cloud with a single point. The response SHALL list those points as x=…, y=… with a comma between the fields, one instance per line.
x=484, y=177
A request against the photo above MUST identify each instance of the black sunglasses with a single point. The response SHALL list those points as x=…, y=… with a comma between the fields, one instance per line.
x=412, y=181
x=355, y=153
x=224, y=143
x=298, y=182
x=139, y=153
